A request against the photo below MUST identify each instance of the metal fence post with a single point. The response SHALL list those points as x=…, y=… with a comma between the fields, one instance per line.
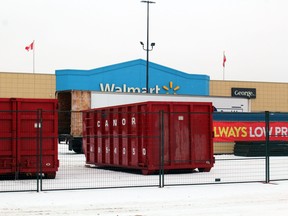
x=161, y=152
x=267, y=145
x=41, y=148
x=38, y=126
x=37, y=148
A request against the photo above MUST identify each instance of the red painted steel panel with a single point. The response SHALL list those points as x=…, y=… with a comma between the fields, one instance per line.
x=115, y=136
x=7, y=132
x=98, y=132
x=90, y=148
x=122, y=116
x=129, y=136
x=21, y=132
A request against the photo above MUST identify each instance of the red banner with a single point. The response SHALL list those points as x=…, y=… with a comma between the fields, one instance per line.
x=249, y=131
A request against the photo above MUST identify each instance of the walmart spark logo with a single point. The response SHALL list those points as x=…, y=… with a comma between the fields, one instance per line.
x=171, y=88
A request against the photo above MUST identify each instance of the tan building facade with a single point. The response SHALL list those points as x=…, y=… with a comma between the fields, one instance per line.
x=268, y=97
x=27, y=85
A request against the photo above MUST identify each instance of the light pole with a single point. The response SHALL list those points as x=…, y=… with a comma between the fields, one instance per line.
x=147, y=46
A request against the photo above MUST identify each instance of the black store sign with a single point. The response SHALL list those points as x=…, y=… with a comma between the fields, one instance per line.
x=243, y=92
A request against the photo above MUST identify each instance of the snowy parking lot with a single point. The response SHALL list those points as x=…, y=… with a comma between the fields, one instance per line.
x=212, y=199
x=74, y=174
x=204, y=200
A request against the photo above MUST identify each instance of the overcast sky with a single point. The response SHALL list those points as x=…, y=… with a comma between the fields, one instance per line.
x=190, y=36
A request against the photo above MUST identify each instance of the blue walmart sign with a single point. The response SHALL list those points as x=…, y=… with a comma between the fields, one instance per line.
x=131, y=77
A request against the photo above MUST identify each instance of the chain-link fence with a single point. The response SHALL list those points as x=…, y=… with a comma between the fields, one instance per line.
x=130, y=148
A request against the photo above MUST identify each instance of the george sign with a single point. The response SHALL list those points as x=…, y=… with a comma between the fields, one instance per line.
x=243, y=92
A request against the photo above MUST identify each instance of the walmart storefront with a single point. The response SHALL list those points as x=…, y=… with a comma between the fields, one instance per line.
x=131, y=77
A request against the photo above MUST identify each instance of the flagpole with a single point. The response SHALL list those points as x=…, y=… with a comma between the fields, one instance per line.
x=224, y=61
x=33, y=56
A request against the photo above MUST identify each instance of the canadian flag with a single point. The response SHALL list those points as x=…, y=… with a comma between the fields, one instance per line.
x=30, y=47
x=224, y=59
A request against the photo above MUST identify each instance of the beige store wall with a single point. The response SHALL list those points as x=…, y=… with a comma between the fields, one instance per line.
x=269, y=96
x=27, y=85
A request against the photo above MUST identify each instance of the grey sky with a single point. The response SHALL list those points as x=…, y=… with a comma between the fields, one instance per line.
x=190, y=35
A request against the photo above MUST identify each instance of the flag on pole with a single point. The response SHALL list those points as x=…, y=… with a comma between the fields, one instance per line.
x=30, y=47
x=224, y=59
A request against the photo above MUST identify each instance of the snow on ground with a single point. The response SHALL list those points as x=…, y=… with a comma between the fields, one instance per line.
x=201, y=200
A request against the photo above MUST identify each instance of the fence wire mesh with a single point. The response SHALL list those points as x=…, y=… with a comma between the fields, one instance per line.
x=163, y=149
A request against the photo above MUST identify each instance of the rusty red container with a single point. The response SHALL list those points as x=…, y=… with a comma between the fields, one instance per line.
x=136, y=136
x=28, y=127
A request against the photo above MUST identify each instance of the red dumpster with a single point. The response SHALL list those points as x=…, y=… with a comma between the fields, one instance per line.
x=134, y=136
x=28, y=127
